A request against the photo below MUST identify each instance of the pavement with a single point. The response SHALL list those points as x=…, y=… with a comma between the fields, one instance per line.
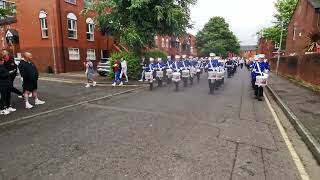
x=303, y=105
x=144, y=135
x=80, y=77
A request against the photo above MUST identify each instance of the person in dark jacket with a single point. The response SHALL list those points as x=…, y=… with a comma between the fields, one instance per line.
x=4, y=89
x=11, y=66
x=30, y=75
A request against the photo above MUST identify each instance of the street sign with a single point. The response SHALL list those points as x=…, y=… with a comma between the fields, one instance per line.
x=9, y=34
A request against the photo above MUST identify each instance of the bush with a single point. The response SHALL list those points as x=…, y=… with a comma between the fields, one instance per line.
x=156, y=53
x=133, y=62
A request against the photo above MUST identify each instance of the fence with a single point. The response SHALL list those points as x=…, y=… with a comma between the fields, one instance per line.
x=305, y=67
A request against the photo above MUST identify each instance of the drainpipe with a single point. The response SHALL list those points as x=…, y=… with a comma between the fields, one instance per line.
x=52, y=46
x=59, y=23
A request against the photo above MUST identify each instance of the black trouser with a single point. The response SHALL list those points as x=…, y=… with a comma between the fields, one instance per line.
x=4, y=98
x=241, y=65
x=258, y=90
x=253, y=82
x=13, y=89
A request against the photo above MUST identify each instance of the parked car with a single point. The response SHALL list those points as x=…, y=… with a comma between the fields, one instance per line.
x=103, y=68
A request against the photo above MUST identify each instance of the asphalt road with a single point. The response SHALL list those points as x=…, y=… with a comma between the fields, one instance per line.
x=186, y=135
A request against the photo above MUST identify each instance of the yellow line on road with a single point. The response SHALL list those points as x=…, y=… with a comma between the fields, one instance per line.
x=304, y=175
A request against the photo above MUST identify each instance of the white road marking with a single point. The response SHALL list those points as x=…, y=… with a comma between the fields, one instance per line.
x=304, y=175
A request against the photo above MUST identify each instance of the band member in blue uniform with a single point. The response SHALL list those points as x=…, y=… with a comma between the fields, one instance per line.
x=259, y=67
x=168, y=62
x=176, y=65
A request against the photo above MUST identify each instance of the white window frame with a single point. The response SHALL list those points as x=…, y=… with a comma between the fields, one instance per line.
x=91, y=54
x=71, y=1
x=90, y=29
x=162, y=43
x=167, y=43
x=72, y=21
x=44, y=24
x=74, y=54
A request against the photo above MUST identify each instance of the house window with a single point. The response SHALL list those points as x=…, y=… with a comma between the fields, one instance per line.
x=74, y=54
x=162, y=42
x=90, y=29
x=4, y=4
x=91, y=54
x=104, y=54
x=294, y=33
x=71, y=1
x=167, y=43
x=72, y=26
x=43, y=24
x=87, y=3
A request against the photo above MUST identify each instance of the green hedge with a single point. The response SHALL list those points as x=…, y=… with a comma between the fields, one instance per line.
x=133, y=62
x=156, y=53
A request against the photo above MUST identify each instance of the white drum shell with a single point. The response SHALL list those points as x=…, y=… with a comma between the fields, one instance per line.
x=212, y=75
x=261, y=80
x=169, y=72
x=185, y=73
x=148, y=75
x=176, y=76
x=160, y=74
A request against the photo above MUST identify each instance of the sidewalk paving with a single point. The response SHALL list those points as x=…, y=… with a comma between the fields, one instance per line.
x=80, y=76
x=303, y=102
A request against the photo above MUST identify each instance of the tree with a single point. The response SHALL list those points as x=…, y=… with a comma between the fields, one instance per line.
x=6, y=12
x=136, y=22
x=216, y=37
x=285, y=10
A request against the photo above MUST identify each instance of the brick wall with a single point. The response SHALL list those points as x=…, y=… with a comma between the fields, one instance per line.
x=305, y=21
x=305, y=67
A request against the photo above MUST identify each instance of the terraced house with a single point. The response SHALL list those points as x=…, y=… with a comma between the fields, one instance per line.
x=55, y=32
x=304, y=28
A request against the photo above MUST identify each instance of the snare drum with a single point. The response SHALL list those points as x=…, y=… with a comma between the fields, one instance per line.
x=148, y=76
x=176, y=76
x=185, y=73
x=160, y=74
x=212, y=75
x=169, y=72
x=261, y=80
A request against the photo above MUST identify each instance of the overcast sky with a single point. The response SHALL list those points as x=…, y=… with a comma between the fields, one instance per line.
x=245, y=17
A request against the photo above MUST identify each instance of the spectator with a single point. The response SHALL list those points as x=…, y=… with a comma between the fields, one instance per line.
x=89, y=73
x=30, y=75
x=4, y=90
x=143, y=65
x=116, y=70
x=11, y=66
x=124, y=69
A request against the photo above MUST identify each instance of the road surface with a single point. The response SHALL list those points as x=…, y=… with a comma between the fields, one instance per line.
x=143, y=135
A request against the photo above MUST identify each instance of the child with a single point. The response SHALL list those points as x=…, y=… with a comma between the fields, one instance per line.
x=117, y=69
x=90, y=73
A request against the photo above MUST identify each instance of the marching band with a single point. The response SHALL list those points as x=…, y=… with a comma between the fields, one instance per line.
x=185, y=69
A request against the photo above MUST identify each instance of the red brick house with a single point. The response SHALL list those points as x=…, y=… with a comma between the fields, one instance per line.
x=266, y=47
x=248, y=51
x=56, y=33
x=303, y=24
x=184, y=45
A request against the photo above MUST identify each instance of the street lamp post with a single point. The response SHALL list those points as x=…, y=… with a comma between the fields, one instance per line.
x=280, y=47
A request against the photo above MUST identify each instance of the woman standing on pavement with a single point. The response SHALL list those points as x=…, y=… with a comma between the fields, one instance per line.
x=5, y=85
x=30, y=75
